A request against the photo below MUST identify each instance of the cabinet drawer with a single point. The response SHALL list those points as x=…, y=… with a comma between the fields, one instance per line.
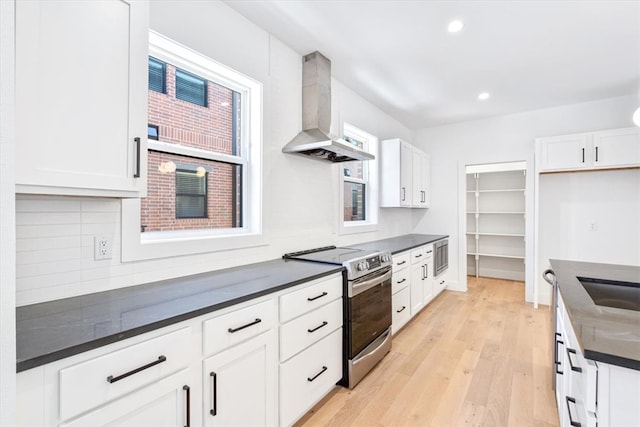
x=401, y=261
x=401, y=306
x=309, y=328
x=307, y=377
x=105, y=378
x=418, y=255
x=310, y=297
x=400, y=280
x=232, y=328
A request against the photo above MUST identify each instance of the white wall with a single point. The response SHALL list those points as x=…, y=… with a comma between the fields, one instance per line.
x=570, y=202
x=501, y=139
x=55, y=234
x=7, y=218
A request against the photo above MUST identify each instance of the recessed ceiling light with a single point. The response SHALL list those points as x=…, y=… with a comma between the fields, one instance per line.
x=455, y=26
x=483, y=96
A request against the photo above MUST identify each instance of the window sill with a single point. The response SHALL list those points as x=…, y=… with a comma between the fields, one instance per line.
x=357, y=227
x=138, y=246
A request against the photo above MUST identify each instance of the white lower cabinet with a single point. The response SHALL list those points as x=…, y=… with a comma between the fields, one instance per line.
x=309, y=376
x=239, y=386
x=401, y=306
x=218, y=369
x=310, y=345
x=165, y=403
x=591, y=393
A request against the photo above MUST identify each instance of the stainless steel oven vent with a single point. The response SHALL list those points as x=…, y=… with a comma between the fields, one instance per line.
x=315, y=140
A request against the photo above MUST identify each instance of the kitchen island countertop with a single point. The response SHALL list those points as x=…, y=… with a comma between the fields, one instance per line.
x=606, y=334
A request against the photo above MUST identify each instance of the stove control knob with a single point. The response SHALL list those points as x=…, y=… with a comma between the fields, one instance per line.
x=362, y=266
x=386, y=258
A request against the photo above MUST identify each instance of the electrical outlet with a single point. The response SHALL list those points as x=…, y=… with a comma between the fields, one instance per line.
x=102, y=248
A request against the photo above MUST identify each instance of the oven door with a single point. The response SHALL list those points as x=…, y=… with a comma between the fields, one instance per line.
x=369, y=309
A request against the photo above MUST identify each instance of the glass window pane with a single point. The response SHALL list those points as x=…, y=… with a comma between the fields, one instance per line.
x=354, y=201
x=354, y=169
x=191, y=88
x=215, y=127
x=175, y=193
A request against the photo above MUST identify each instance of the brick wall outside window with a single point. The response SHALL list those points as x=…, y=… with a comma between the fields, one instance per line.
x=209, y=128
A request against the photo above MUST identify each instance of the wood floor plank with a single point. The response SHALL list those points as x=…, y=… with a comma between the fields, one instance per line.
x=468, y=359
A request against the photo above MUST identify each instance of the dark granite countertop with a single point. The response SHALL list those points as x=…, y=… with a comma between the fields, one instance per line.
x=606, y=334
x=400, y=243
x=53, y=330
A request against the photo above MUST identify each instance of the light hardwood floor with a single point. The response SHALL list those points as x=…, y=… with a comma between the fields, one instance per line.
x=474, y=358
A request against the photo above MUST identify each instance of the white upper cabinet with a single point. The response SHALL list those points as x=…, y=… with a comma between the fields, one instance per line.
x=617, y=148
x=405, y=175
x=596, y=150
x=81, y=97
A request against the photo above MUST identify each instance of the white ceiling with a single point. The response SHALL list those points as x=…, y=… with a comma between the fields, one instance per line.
x=527, y=54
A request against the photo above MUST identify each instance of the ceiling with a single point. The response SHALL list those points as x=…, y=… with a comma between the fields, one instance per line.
x=527, y=54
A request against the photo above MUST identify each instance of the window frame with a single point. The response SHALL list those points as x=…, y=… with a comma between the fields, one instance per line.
x=159, y=244
x=370, y=181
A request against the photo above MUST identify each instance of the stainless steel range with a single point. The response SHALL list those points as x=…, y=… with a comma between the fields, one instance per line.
x=367, y=306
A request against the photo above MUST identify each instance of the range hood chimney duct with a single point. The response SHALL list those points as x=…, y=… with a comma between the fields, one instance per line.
x=315, y=139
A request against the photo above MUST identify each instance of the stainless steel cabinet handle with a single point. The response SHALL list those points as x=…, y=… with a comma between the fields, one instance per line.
x=239, y=328
x=573, y=423
x=549, y=276
x=404, y=194
x=188, y=390
x=111, y=379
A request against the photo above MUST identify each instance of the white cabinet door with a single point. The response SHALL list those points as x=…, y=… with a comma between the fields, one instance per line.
x=81, y=97
x=166, y=403
x=401, y=304
x=406, y=174
x=568, y=152
x=417, y=288
x=239, y=386
x=427, y=283
x=421, y=179
x=616, y=148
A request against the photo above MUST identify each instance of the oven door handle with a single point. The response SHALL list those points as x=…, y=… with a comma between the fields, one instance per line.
x=359, y=288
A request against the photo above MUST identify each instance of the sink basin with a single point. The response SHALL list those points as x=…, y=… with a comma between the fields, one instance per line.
x=613, y=293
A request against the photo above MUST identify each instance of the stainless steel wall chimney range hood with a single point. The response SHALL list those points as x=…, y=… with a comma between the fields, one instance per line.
x=315, y=140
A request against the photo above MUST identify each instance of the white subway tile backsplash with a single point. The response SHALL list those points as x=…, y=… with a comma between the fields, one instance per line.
x=51, y=280
x=32, y=203
x=47, y=255
x=52, y=230
x=47, y=218
x=46, y=243
x=47, y=268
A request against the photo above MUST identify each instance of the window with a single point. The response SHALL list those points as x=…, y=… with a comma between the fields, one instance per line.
x=191, y=194
x=358, y=191
x=203, y=162
x=157, y=77
x=191, y=88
